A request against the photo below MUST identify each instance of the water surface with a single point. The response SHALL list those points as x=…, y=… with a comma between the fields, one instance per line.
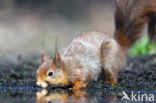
x=25, y=94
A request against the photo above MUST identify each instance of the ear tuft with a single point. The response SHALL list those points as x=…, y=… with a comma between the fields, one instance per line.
x=57, y=60
x=44, y=57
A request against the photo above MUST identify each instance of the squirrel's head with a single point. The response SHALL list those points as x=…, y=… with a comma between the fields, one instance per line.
x=51, y=71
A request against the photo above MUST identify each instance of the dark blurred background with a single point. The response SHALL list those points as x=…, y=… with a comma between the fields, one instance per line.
x=24, y=24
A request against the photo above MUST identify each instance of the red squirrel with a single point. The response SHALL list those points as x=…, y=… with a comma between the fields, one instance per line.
x=93, y=53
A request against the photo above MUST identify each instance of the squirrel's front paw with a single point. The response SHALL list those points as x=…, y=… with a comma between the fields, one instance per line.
x=78, y=85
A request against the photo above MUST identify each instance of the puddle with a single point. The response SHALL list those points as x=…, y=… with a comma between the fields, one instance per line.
x=26, y=94
x=37, y=95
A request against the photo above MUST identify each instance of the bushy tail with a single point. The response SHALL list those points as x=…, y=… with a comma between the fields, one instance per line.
x=130, y=19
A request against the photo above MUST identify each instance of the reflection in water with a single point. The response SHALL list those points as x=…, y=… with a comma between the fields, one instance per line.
x=71, y=97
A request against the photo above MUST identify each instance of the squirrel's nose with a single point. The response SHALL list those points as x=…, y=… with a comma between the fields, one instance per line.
x=42, y=84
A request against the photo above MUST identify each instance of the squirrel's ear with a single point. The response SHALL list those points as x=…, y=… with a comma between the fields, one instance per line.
x=44, y=57
x=57, y=60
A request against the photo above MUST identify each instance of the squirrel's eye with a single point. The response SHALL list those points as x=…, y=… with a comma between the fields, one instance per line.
x=50, y=73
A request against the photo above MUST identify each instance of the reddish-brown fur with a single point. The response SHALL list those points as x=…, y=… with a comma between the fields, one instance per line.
x=131, y=17
x=93, y=53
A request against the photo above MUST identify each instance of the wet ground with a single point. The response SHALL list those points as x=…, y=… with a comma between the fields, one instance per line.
x=17, y=84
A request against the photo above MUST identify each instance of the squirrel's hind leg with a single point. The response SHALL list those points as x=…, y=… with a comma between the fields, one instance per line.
x=113, y=59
